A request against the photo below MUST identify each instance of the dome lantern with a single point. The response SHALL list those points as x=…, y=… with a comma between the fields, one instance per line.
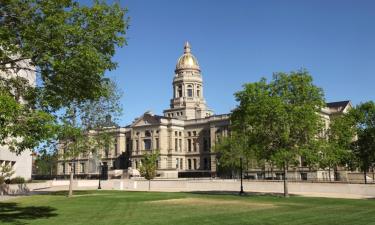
x=187, y=60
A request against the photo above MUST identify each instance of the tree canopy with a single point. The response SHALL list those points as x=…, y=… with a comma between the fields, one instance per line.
x=69, y=45
x=279, y=117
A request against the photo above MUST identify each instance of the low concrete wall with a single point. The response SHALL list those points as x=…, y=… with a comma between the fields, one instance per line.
x=299, y=188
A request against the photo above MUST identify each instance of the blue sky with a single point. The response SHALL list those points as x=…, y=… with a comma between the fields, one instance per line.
x=240, y=41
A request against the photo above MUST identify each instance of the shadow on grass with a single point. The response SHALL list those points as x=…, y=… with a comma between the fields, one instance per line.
x=64, y=193
x=11, y=212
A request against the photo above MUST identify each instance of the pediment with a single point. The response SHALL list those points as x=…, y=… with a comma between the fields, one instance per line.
x=146, y=120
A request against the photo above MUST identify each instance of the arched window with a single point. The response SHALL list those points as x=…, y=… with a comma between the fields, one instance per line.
x=190, y=91
x=179, y=91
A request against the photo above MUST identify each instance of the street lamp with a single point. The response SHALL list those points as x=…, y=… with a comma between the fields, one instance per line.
x=241, y=191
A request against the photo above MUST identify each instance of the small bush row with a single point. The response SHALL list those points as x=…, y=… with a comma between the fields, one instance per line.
x=15, y=180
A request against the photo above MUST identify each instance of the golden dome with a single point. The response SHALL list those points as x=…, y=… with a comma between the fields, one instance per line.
x=187, y=60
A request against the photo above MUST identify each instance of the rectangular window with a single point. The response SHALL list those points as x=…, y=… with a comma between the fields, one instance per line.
x=177, y=162
x=157, y=143
x=176, y=144
x=116, y=148
x=137, y=145
x=181, y=164
x=189, y=145
x=147, y=143
x=180, y=145
x=195, y=164
x=195, y=145
x=82, y=168
x=190, y=92
x=205, y=145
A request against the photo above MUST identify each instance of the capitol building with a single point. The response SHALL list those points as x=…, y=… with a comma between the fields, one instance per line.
x=184, y=135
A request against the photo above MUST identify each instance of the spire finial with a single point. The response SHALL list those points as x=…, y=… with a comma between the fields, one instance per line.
x=187, y=48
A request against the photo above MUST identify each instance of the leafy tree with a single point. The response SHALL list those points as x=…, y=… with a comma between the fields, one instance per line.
x=364, y=146
x=83, y=129
x=340, y=136
x=22, y=125
x=46, y=163
x=281, y=117
x=69, y=45
x=148, y=166
x=230, y=149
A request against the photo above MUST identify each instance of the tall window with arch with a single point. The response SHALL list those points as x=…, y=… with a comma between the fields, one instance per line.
x=198, y=91
x=179, y=91
x=190, y=90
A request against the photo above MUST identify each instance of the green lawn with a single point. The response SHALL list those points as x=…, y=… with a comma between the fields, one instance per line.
x=115, y=207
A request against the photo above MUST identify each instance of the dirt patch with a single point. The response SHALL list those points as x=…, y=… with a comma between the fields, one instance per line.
x=213, y=202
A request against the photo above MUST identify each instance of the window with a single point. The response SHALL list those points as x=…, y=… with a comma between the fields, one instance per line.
x=194, y=133
x=63, y=168
x=189, y=164
x=115, y=146
x=180, y=134
x=157, y=143
x=195, y=145
x=82, y=168
x=177, y=163
x=189, y=133
x=205, y=145
x=147, y=133
x=147, y=143
x=176, y=144
x=205, y=163
x=198, y=91
x=195, y=163
x=179, y=91
x=180, y=145
x=175, y=133
x=189, y=145
x=181, y=164
x=190, y=91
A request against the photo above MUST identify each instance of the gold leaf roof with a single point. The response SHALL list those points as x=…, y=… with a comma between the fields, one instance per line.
x=187, y=60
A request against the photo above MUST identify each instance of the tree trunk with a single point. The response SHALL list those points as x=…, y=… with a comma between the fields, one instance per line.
x=71, y=181
x=365, y=175
x=286, y=192
x=329, y=174
x=149, y=185
x=373, y=174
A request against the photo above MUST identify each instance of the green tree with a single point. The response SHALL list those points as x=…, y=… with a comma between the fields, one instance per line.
x=364, y=146
x=281, y=117
x=84, y=130
x=22, y=125
x=230, y=149
x=46, y=163
x=337, y=151
x=149, y=166
x=68, y=45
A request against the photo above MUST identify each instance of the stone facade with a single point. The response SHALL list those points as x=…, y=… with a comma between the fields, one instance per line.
x=22, y=163
x=184, y=135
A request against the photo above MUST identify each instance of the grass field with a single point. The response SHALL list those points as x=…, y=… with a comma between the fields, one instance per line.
x=115, y=207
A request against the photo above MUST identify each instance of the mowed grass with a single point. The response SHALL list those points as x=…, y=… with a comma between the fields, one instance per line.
x=120, y=207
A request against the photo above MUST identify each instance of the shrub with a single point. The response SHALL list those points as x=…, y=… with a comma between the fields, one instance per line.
x=17, y=180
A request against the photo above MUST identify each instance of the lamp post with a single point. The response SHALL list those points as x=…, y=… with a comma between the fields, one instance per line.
x=241, y=191
x=100, y=174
